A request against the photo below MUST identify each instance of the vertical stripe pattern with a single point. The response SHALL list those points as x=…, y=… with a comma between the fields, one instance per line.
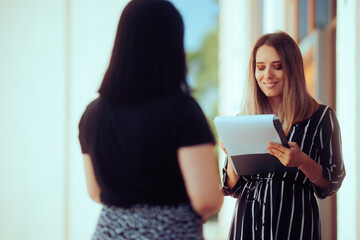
x=282, y=205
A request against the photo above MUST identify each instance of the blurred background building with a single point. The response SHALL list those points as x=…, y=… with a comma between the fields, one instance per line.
x=53, y=55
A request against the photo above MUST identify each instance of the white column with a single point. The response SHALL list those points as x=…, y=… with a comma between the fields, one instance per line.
x=348, y=112
x=274, y=15
x=237, y=34
x=53, y=55
x=236, y=37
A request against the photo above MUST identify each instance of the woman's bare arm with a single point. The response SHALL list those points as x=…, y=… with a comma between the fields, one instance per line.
x=91, y=183
x=201, y=176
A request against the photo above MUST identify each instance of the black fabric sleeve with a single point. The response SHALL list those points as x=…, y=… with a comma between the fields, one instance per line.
x=191, y=126
x=237, y=189
x=87, y=126
x=225, y=188
x=330, y=157
x=83, y=133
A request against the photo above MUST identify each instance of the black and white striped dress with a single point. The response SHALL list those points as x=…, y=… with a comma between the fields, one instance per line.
x=282, y=205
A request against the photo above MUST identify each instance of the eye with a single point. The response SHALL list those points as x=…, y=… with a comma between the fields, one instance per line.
x=260, y=67
x=278, y=66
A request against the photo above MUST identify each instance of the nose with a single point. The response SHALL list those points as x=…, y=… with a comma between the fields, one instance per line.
x=268, y=73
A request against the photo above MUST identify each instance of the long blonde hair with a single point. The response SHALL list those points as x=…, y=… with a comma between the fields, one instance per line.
x=297, y=104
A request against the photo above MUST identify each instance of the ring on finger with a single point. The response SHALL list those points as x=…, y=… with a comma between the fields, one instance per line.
x=281, y=153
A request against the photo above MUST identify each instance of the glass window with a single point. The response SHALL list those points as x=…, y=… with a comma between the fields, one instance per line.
x=303, y=19
x=322, y=12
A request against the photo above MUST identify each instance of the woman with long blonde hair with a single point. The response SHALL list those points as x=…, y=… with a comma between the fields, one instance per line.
x=282, y=205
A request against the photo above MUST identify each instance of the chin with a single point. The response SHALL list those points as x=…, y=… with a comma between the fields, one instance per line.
x=273, y=95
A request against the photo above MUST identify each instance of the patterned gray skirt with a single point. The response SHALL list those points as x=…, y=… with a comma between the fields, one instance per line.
x=144, y=221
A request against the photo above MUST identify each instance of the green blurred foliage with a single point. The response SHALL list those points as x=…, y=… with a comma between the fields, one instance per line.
x=205, y=63
x=203, y=73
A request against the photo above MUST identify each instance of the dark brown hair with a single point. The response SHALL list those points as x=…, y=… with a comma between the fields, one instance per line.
x=148, y=57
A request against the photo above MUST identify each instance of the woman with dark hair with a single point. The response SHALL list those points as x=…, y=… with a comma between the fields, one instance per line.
x=148, y=51
x=282, y=205
x=148, y=149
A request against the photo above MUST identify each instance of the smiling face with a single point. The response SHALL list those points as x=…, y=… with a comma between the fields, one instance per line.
x=269, y=73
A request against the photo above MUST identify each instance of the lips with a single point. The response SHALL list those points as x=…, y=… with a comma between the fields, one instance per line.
x=270, y=84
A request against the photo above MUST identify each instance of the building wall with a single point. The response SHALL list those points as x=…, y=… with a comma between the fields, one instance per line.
x=53, y=55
